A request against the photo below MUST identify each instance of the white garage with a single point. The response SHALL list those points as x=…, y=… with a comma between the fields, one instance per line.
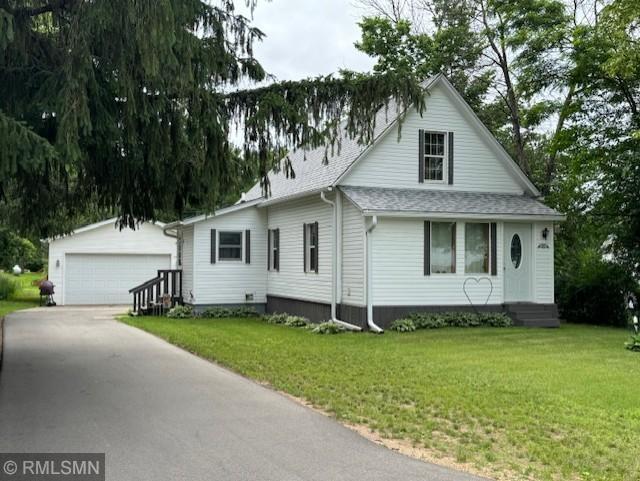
x=98, y=264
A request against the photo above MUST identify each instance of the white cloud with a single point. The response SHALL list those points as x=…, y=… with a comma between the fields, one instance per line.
x=306, y=38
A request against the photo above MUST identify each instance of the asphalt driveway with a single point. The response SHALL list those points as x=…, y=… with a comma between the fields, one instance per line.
x=75, y=380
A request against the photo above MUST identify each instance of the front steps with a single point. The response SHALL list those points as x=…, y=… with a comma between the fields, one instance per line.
x=528, y=314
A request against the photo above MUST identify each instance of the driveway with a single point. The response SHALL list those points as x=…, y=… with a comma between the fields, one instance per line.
x=75, y=380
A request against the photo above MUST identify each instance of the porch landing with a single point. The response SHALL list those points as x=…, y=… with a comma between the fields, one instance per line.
x=529, y=314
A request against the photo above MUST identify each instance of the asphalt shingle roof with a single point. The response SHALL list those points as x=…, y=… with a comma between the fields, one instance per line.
x=376, y=199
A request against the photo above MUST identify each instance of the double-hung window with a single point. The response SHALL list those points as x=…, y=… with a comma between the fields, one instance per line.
x=443, y=247
x=230, y=246
x=434, y=156
x=476, y=248
x=311, y=247
x=274, y=249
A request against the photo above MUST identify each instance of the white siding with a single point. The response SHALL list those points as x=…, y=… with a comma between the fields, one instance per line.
x=187, y=263
x=291, y=281
x=353, y=245
x=106, y=239
x=395, y=164
x=398, y=275
x=227, y=282
x=543, y=259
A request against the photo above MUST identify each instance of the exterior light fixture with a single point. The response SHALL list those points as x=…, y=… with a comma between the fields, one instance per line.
x=545, y=233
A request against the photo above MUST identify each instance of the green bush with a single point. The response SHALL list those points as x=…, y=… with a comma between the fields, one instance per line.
x=18, y=250
x=220, y=312
x=634, y=343
x=296, y=321
x=276, y=318
x=403, y=325
x=8, y=286
x=180, y=312
x=590, y=290
x=287, y=319
x=435, y=320
x=328, y=328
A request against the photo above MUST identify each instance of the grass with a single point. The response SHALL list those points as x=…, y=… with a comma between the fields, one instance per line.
x=26, y=295
x=523, y=404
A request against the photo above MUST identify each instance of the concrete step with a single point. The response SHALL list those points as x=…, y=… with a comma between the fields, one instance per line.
x=541, y=322
x=534, y=314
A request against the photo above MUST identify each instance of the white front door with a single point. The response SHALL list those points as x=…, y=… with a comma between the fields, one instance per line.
x=517, y=262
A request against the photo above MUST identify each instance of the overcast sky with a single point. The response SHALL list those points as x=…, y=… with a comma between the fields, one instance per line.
x=305, y=38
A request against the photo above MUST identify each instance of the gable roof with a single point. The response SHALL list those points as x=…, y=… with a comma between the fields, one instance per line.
x=313, y=174
x=97, y=225
x=443, y=203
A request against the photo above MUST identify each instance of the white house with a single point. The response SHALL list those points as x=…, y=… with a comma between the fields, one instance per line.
x=99, y=263
x=438, y=219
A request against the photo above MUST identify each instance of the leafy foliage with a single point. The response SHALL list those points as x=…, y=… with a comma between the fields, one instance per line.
x=328, y=328
x=128, y=106
x=18, y=250
x=591, y=290
x=634, y=343
x=428, y=320
x=8, y=286
x=220, y=312
x=180, y=312
x=287, y=320
x=403, y=325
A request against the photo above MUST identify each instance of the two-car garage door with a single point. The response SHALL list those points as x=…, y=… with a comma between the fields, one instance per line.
x=107, y=278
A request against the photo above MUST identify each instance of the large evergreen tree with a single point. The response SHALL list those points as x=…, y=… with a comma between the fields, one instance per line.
x=127, y=106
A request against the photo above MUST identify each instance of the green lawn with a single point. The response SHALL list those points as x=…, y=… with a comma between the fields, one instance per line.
x=548, y=404
x=25, y=297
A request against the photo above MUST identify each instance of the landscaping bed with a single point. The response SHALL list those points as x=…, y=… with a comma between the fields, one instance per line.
x=514, y=403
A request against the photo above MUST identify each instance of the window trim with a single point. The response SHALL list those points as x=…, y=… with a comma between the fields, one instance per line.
x=490, y=241
x=309, y=228
x=445, y=158
x=240, y=245
x=274, y=251
x=454, y=246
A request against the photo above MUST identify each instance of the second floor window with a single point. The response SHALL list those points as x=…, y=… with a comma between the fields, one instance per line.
x=434, y=155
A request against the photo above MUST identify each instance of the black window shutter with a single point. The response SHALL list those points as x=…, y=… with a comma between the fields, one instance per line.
x=421, y=156
x=247, y=243
x=454, y=240
x=276, y=263
x=450, y=158
x=427, y=248
x=213, y=246
x=317, y=235
x=304, y=246
x=269, y=249
x=494, y=249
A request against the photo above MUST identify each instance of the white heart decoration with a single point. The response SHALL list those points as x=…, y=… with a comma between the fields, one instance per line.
x=478, y=289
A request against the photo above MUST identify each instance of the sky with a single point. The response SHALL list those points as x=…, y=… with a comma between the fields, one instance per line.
x=306, y=38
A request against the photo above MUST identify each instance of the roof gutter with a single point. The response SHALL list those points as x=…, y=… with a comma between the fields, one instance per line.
x=462, y=215
x=172, y=226
x=334, y=263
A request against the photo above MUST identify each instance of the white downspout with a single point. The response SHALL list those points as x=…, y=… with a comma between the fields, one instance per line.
x=334, y=265
x=369, y=251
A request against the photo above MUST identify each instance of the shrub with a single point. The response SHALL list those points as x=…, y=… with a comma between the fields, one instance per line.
x=8, y=286
x=220, y=312
x=634, y=343
x=287, y=319
x=276, y=318
x=180, y=312
x=328, y=328
x=435, y=320
x=403, y=325
x=296, y=321
x=591, y=290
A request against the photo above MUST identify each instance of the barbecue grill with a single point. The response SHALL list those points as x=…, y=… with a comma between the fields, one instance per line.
x=46, y=293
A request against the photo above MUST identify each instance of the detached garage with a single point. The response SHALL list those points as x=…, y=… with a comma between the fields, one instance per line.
x=99, y=263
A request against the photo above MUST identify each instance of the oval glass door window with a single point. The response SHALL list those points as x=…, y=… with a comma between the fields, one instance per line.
x=516, y=251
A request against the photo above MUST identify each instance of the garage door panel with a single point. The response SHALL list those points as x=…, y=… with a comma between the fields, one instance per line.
x=107, y=278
